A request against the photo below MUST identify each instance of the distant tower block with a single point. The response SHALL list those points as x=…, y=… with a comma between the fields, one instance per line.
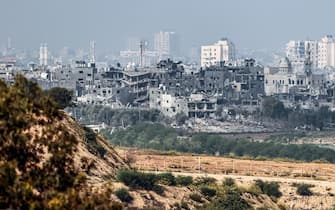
x=9, y=43
x=141, y=53
x=92, y=51
x=43, y=54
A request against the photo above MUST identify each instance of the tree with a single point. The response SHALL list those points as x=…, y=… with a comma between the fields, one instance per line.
x=37, y=170
x=273, y=108
x=181, y=118
x=61, y=96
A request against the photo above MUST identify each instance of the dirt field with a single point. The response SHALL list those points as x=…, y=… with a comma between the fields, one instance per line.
x=245, y=172
x=146, y=160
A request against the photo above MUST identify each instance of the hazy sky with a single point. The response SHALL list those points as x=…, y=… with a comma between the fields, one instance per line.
x=248, y=23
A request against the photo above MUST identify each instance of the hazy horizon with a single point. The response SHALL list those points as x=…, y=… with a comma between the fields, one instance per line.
x=255, y=24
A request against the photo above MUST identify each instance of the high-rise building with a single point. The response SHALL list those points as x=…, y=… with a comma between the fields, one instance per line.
x=9, y=43
x=166, y=44
x=327, y=52
x=133, y=44
x=92, y=51
x=296, y=52
x=219, y=53
x=43, y=54
x=321, y=53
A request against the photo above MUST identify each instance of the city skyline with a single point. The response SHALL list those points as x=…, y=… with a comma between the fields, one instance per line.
x=254, y=25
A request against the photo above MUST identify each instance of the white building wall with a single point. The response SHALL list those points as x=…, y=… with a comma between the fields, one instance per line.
x=222, y=51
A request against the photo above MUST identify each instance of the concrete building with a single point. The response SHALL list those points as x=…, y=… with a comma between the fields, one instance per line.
x=296, y=52
x=282, y=80
x=166, y=44
x=215, y=55
x=44, y=54
x=327, y=52
x=196, y=105
x=201, y=106
x=168, y=104
x=322, y=53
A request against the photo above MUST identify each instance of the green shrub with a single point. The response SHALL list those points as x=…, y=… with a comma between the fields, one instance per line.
x=204, y=181
x=167, y=179
x=136, y=180
x=158, y=189
x=206, y=191
x=123, y=195
x=92, y=144
x=184, y=205
x=304, y=189
x=269, y=188
x=231, y=200
x=196, y=197
x=61, y=96
x=229, y=182
x=184, y=180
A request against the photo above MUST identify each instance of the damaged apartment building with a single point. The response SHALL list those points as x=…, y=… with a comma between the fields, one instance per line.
x=200, y=94
x=309, y=87
x=196, y=105
x=165, y=86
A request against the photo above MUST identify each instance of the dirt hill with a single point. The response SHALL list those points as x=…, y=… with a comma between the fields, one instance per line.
x=93, y=150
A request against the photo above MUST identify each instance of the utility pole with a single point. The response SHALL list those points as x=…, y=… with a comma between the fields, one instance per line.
x=199, y=165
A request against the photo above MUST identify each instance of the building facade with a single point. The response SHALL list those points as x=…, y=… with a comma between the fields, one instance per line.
x=217, y=54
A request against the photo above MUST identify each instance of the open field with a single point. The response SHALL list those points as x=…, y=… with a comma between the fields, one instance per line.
x=245, y=172
x=153, y=161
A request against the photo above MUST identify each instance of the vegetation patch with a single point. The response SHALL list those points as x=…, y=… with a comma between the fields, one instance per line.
x=137, y=180
x=303, y=189
x=123, y=195
x=269, y=188
x=160, y=137
x=184, y=180
x=195, y=197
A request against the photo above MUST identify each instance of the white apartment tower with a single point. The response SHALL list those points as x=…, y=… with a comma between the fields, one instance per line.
x=221, y=52
x=327, y=52
x=43, y=54
x=166, y=44
x=322, y=52
x=296, y=52
x=92, y=51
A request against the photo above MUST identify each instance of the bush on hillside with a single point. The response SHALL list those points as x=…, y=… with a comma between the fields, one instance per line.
x=123, y=195
x=304, y=189
x=229, y=182
x=208, y=192
x=167, y=179
x=137, y=180
x=195, y=197
x=184, y=180
x=269, y=188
